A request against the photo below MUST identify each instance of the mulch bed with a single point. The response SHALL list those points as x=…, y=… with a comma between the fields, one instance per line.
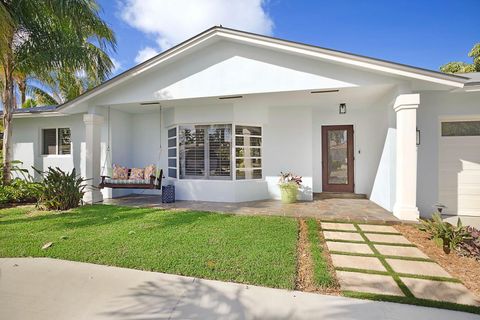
x=463, y=268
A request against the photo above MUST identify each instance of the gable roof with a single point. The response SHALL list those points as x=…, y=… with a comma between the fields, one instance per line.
x=276, y=43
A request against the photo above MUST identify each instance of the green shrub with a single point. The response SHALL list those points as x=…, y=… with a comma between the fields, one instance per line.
x=443, y=233
x=19, y=191
x=60, y=190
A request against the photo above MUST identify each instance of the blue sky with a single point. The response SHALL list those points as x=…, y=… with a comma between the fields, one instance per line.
x=417, y=32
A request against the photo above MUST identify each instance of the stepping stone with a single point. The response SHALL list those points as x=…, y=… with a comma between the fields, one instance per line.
x=368, y=263
x=338, y=226
x=336, y=235
x=441, y=291
x=400, y=251
x=388, y=238
x=376, y=228
x=418, y=267
x=349, y=247
x=370, y=283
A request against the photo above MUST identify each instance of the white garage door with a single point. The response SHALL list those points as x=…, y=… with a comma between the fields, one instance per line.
x=459, y=165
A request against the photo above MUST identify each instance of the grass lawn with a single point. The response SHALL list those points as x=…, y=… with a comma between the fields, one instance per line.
x=247, y=249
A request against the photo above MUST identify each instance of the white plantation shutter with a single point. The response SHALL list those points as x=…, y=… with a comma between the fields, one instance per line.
x=192, y=152
x=219, y=150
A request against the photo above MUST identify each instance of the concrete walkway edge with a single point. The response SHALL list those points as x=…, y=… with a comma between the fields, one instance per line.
x=44, y=288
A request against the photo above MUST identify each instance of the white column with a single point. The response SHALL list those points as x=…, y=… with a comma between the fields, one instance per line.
x=405, y=207
x=93, y=123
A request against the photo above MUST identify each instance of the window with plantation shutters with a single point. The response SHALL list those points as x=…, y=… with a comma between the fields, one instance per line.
x=216, y=152
x=205, y=151
x=192, y=152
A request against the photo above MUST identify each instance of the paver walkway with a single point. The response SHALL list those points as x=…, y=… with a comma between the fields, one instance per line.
x=377, y=259
x=49, y=289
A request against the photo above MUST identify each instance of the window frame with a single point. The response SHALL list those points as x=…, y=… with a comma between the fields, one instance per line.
x=57, y=146
x=233, y=157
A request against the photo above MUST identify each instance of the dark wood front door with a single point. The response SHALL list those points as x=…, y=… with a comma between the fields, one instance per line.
x=337, y=158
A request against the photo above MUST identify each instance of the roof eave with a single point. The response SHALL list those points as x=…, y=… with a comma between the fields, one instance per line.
x=339, y=56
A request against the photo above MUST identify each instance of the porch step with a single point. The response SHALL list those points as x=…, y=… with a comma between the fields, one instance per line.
x=338, y=195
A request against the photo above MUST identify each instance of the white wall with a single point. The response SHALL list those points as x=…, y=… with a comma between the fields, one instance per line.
x=433, y=106
x=27, y=140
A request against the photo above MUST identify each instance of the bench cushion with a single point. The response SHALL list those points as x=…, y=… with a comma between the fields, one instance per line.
x=127, y=181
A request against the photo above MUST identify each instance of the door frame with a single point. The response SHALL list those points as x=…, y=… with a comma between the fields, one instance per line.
x=350, y=187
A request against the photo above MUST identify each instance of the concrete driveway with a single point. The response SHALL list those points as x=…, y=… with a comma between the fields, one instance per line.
x=43, y=288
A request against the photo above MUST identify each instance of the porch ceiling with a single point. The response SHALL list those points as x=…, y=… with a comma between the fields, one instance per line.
x=358, y=96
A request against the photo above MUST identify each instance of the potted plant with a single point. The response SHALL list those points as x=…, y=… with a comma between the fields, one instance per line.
x=289, y=184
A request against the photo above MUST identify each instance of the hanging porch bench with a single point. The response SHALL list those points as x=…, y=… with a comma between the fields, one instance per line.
x=152, y=183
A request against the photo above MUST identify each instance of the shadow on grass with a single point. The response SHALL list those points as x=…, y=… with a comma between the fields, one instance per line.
x=100, y=215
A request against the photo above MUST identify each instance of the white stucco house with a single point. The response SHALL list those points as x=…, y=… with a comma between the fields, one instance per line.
x=226, y=111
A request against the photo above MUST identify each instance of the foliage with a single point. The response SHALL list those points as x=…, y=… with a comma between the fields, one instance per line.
x=60, y=190
x=471, y=245
x=443, y=233
x=244, y=249
x=19, y=191
x=40, y=38
x=289, y=178
x=29, y=103
x=462, y=67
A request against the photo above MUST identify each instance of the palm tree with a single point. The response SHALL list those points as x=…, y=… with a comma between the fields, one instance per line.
x=44, y=37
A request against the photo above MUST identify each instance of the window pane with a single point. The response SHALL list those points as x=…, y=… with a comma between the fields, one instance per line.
x=249, y=174
x=461, y=128
x=337, y=157
x=172, y=132
x=248, y=152
x=245, y=130
x=219, y=141
x=49, y=141
x=247, y=141
x=172, y=163
x=172, y=142
x=249, y=163
x=172, y=152
x=192, y=151
x=64, y=141
x=172, y=173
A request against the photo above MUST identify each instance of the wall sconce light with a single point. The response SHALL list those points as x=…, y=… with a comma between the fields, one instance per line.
x=418, y=137
x=342, y=108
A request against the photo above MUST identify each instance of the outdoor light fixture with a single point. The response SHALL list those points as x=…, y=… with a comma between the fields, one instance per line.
x=342, y=108
x=418, y=137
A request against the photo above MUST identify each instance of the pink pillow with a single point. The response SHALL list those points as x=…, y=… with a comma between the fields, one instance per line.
x=137, y=173
x=150, y=170
x=120, y=172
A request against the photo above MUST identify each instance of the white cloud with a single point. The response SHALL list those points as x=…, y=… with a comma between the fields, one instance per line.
x=173, y=21
x=117, y=65
x=145, y=54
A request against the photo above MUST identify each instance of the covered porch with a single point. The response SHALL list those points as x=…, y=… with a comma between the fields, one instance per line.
x=326, y=207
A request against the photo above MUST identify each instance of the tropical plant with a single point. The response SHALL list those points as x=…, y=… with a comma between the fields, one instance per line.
x=470, y=247
x=443, y=233
x=462, y=67
x=290, y=178
x=60, y=190
x=44, y=37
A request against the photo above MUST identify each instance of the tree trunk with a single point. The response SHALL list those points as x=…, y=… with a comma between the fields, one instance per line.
x=22, y=87
x=8, y=107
